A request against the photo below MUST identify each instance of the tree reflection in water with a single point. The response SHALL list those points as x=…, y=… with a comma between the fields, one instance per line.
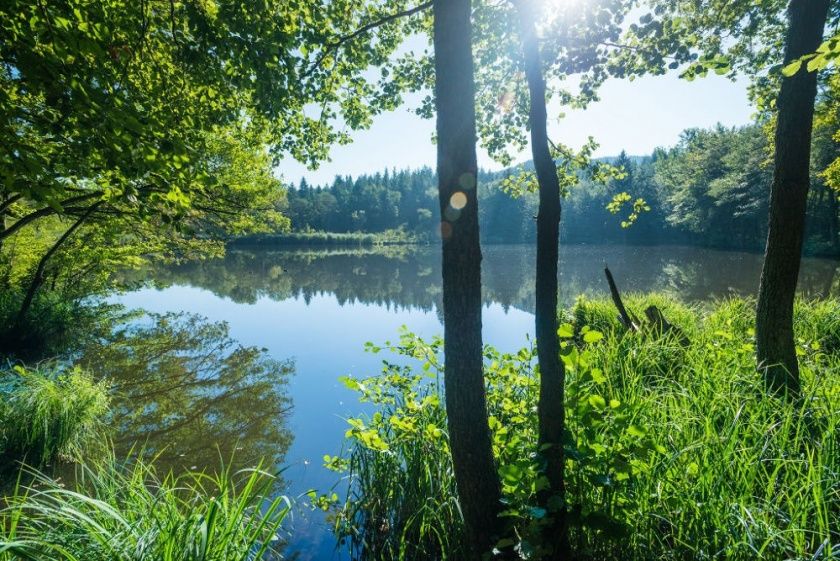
x=186, y=392
x=409, y=277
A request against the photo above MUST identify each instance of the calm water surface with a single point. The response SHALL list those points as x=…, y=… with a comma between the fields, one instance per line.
x=187, y=387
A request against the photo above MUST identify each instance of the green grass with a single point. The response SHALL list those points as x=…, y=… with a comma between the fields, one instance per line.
x=400, y=503
x=50, y=414
x=127, y=512
x=743, y=476
x=674, y=451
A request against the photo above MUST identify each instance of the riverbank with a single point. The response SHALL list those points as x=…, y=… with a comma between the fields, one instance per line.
x=674, y=450
x=317, y=239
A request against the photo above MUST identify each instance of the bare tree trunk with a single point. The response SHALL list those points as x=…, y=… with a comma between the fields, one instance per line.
x=775, y=347
x=472, y=454
x=38, y=277
x=550, y=408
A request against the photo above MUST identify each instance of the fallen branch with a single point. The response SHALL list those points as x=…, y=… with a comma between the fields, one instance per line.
x=656, y=321
x=623, y=316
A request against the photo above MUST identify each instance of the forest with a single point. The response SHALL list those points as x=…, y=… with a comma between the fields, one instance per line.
x=569, y=355
x=711, y=190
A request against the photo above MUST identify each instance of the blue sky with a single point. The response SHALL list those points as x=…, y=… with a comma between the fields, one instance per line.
x=635, y=116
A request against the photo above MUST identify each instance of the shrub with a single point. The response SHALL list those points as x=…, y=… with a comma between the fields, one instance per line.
x=50, y=413
x=126, y=512
x=55, y=324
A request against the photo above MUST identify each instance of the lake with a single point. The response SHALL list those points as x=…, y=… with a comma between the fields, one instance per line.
x=189, y=392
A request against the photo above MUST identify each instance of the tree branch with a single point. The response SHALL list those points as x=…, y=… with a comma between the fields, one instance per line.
x=331, y=47
x=43, y=212
x=38, y=278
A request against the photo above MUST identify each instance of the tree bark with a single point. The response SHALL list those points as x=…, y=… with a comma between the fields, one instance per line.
x=775, y=347
x=550, y=407
x=472, y=454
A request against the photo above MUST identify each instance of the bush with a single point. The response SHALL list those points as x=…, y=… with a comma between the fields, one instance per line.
x=49, y=414
x=401, y=503
x=54, y=325
x=126, y=512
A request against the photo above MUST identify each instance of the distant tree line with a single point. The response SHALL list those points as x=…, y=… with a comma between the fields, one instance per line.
x=710, y=189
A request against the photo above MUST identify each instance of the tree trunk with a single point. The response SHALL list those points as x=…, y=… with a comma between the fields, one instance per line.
x=775, y=347
x=472, y=454
x=550, y=408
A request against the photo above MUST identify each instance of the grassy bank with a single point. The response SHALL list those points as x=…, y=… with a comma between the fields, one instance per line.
x=292, y=239
x=52, y=417
x=673, y=453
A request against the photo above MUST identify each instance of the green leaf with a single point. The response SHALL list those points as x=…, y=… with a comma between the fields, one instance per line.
x=636, y=430
x=566, y=331
x=792, y=68
x=592, y=336
x=598, y=375
x=597, y=402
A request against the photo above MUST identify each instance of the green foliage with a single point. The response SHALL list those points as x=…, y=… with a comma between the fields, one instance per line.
x=401, y=502
x=713, y=176
x=55, y=324
x=128, y=512
x=99, y=98
x=50, y=414
x=710, y=189
x=826, y=54
x=673, y=452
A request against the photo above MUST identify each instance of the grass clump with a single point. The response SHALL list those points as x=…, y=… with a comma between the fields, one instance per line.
x=674, y=452
x=50, y=414
x=742, y=475
x=127, y=512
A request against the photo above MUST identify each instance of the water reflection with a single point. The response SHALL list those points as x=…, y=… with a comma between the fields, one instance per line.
x=410, y=277
x=187, y=393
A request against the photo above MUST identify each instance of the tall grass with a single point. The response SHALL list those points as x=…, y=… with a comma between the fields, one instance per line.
x=50, y=413
x=674, y=452
x=119, y=512
x=743, y=476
